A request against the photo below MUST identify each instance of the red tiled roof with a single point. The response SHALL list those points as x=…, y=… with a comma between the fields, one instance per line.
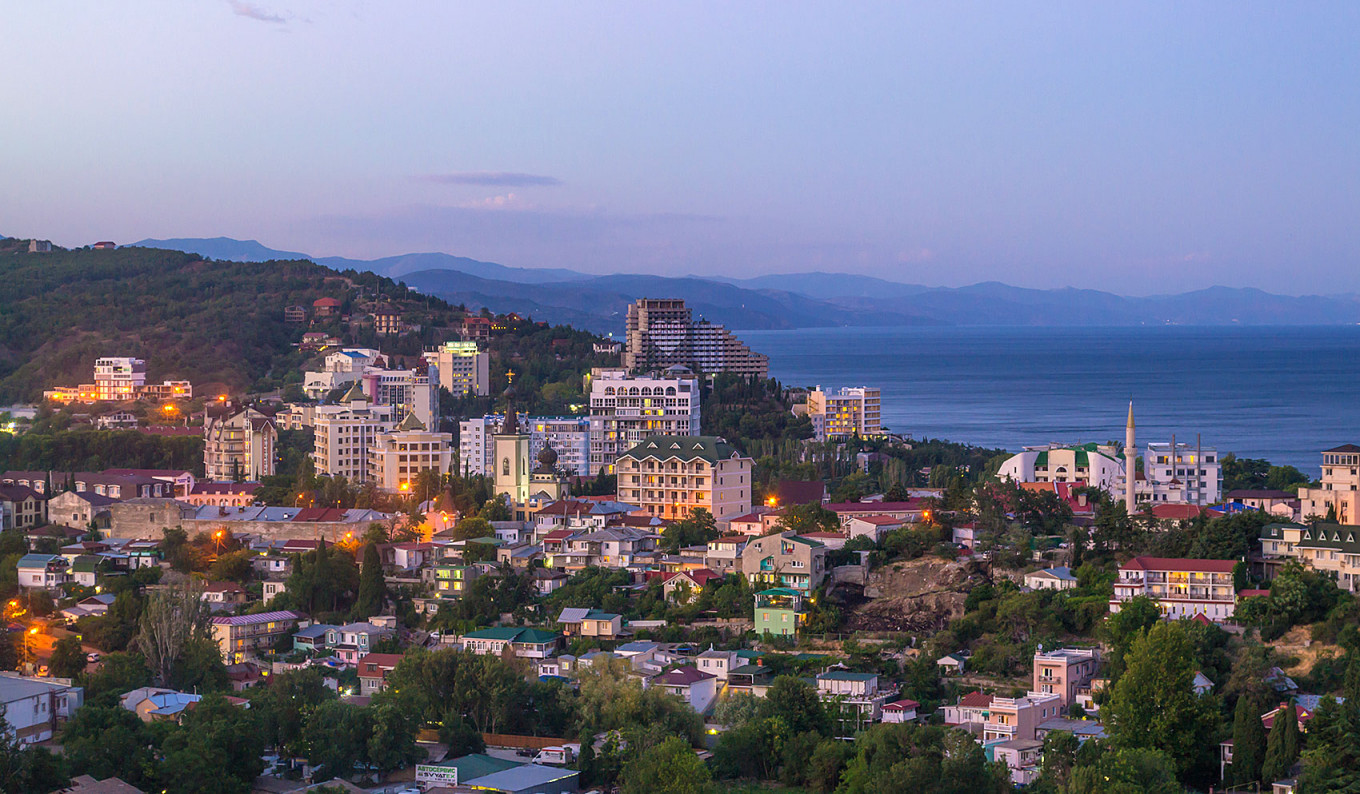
x=684, y=676
x=901, y=705
x=910, y=505
x=384, y=661
x=830, y=535
x=1179, y=564
x=326, y=302
x=730, y=539
x=975, y=700
x=559, y=534
x=1177, y=512
x=319, y=514
x=211, y=488
x=880, y=521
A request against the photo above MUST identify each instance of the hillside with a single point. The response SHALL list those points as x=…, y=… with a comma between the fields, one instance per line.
x=212, y=322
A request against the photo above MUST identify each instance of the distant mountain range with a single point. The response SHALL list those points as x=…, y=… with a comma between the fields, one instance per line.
x=800, y=300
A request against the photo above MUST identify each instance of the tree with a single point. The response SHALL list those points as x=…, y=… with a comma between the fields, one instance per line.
x=1125, y=626
x=216, y=750
x=171, y=619
x=68, y=658
x=808, y=518
x=1332, y=760
x=1059, y=756
x=697, y=528
x=473, y=527
x=1153, y=706
x=796, y=702
x=1249, y=742
x=670, y=767
x=372, y=586
x=1124, y=770
x=109, y=741
x=1282, y=746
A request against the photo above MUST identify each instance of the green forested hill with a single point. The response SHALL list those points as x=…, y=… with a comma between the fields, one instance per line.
x=209, y=321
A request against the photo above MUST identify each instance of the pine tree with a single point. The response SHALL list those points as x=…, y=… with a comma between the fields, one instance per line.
x=1249, y=742
x=372, y=588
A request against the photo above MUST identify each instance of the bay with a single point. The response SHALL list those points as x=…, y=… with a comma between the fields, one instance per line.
x=1281, y=393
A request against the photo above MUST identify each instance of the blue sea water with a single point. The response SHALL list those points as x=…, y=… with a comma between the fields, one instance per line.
x=1281, y=393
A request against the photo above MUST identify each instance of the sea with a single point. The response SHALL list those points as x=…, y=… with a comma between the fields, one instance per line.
x=1279, y=393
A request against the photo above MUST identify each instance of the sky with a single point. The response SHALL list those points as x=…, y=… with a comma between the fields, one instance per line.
x=1140, y=148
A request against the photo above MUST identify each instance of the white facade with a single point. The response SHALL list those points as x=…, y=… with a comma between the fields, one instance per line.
x=1091, y=464
x=32, y=706
x=1193, y=475
x=406, y=391
x=241, y=444
x=851, y=411
x=341, y=368
x=118, y=378
x=625, y=409
x=344, y=434
x=463, y=368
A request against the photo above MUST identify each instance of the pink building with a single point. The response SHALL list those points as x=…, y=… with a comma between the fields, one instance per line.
x=1064, y=672
x=1017, y=718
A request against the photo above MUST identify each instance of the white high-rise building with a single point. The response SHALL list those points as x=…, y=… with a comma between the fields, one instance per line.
x=341, y=368
x=406, y=391
x=345, y=432
x=1192, y=474
x=118, y=378
x=662, y=332
x=238, y=443
x=569, y=437
x=851, y=411
x=464, y=369
x=625, y=409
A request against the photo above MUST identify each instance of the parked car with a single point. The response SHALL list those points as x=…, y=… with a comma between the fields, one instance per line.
x=92, y=657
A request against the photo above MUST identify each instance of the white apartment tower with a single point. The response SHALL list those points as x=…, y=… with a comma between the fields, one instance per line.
x=851, y=411
x=118, y=378
x=625, y=409
x=463, y=368
x=397, y=457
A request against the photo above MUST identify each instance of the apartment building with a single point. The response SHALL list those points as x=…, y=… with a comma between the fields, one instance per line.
x=118, y=378
x=784, y=560
x=1065, y=672
x=1339, y=490
x=1182, y=588
x=238, y=444
x=397, y=457
x=1332, y=548
x=32, y=708
x=464, y=369
x=668, y=476
x=663, y=332
x=21, y=507
x=344, y=433
x=625, y=409
x=1017, y=718
x=1180, y=473
x=406, y=391
x=339, y=369
x=850, y=411
x=569, y=437
x=240, y=637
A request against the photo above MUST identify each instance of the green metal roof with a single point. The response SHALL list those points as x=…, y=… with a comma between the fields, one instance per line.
x=846, y=675
x=780, y=591
x=708, y=448
x=471, y=767
x=1339, y=537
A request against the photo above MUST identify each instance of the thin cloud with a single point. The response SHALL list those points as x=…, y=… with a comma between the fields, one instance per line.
x=251, y=11
x=492, y=178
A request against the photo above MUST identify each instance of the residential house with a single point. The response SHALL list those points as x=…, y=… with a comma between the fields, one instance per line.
x=238, y=444
x=1022, y=757
x=547, y=581
x=690, y=684
x=221, y=494
x=313, y=637
x=524, y=643
x=903, y=710
x=1065, y=672
x=452, y=581
x=21, y=507
x=779, y=611
x=354, y=640
x=724, y=553
x=1201, y=684
x=97, y=604
x=873, y=527
x=224, y=593
x=951, y=664
x=1331, y=548
x=760, y=521
x=1060, y=578
x=785, y=560
x=33, y=707
x=582, y=622
x=1278, y=503
x=1338, y=494
x=373, y=669
x=855, y=700
x=682, y=587
x=1018, y=718
x=155, y=704
x=43, y=571
x=833, y=541
x=718, y=663
x=912, y=511
x=971, y=710
x=85, y=569
x=1182, y=588
x=239, y=637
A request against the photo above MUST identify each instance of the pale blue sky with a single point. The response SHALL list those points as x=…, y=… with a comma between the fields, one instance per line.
x=1139, y=148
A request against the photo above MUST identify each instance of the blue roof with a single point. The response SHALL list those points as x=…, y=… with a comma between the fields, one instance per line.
x=314, y=631
x=37, y=560
x=639, y=646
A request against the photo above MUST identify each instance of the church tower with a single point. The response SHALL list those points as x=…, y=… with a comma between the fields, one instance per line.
x=512, y=453
x=1130, y=462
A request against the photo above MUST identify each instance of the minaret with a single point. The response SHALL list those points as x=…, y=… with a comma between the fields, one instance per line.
x=1130, y=462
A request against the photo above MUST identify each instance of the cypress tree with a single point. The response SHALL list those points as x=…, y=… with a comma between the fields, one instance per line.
x=1351, y=687
x=1274, y=767
x=372, y=588
x=1249, y=742
x=1291, y=735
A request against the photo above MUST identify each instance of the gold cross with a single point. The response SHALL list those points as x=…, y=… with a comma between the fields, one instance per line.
x=510, y=375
